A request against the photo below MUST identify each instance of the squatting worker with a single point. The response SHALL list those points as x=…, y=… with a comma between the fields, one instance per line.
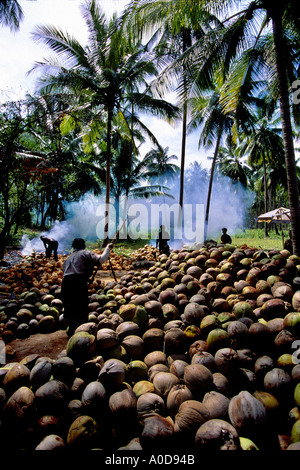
x=50, y=245
x=77, y=269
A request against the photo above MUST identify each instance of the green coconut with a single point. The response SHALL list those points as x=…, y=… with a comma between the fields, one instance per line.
x=83, y=433
x=46, y=324
x=136, y=371
x=297, y=394
x=31, y=297
x=44, y=309
x=270, y=402
x=143, y=386
x=242, y=309
x=127, y=311
x=291, y=322
x=170, y=312
x=295, y=432
x=209, y=322
x=140, y=317
x=217, y=338
x=15, y=378
x=81, y=347
x=247, y=444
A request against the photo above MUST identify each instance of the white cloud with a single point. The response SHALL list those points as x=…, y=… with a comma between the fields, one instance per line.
x=18, y=50
x=19, y=53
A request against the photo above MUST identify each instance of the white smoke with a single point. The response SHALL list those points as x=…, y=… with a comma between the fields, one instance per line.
x=81, y=222
x=85, y=218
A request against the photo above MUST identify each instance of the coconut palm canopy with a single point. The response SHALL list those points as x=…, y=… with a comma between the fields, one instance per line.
x=281, y=215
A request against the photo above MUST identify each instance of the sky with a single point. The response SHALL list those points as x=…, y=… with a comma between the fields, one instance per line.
x=19, y=53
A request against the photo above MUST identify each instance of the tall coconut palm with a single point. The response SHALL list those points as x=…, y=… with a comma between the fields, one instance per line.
x=242, y=27
x=106, y=74
x=160, y=168
x=177, y=24
x=207, y=112
x=11, y=14
x=264, y=147
x=231, y=163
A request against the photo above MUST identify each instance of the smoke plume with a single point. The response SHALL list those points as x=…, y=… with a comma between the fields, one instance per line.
x=85, y=218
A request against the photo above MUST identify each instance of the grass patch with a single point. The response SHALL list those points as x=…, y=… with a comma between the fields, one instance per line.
x=122, y=247
x=256, y=238
x=251, y=237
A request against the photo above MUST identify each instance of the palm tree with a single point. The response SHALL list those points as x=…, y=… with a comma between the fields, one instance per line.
x=207, y=112
x=230, y=162
x=160, y=167
x=65, y=171
x=11, y=14
x=195, y=177
x=106, y=74
x=177, y=25
x=242, y=29
x=264, y=146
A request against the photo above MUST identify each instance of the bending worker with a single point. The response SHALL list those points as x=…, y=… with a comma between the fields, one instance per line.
x=50, y=245
x=77, y=269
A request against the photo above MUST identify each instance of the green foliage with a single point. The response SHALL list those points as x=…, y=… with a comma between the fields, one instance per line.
x=83, y=131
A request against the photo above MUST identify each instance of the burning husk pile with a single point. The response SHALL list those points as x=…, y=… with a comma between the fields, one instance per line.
x=198, y=352
x=35, y=271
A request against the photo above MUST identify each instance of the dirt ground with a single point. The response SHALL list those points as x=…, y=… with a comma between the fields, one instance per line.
x=51, y=344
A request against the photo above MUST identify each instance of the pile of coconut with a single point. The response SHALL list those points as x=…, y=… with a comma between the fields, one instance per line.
x=198, y=352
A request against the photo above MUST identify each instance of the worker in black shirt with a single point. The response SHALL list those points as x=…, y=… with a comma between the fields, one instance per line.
x=162, y=241
x=50, y=245
x=225, y=238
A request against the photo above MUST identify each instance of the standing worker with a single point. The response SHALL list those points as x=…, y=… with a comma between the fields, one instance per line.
x=50, y=245
x=162, y=241
x=225, y=238
x=77, y=269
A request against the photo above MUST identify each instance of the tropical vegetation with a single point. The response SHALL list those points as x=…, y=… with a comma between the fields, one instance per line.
x=232, y=68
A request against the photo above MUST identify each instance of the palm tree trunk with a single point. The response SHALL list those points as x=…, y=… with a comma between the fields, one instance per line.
x=182, y=164
x=107, y=195
x=293, y=190
x=186, y=42
x=211, y=182
x=266, y=193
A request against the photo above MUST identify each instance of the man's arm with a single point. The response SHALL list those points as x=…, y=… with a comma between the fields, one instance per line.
x=100, y=259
